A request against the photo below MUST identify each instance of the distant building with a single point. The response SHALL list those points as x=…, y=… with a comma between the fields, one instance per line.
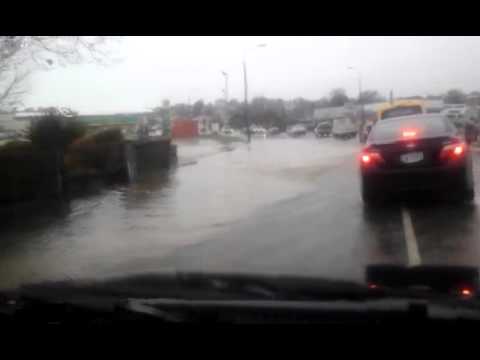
x=205, y=124
x=434, y=106
x=289, y=105
x=473, y=100
x=184, y=127
x=330, y=113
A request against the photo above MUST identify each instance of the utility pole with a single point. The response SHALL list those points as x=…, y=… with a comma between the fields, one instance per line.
x=391, y=97
x=360, y=100
x=247, y=122
x=226, y=85
x=245, y=113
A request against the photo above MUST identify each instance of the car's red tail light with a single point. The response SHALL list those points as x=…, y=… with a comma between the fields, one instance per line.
x=369, y=158
x=458, y=150
x=453, y=151
x=465, y=291
x=409, y=134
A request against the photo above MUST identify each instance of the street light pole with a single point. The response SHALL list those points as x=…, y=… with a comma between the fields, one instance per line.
x=245, y=85
x=226, y=85
x=360, y=101
x=245, y=110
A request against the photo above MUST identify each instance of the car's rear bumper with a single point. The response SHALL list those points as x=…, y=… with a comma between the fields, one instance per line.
x=435, y=179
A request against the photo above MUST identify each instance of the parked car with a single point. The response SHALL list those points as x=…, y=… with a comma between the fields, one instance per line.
x=323, y=129
x=420, y=152
x=258, y=131
x=227, y=131
x=344, y=128
x=297, y=130
x=274, y=131
x=456, y=115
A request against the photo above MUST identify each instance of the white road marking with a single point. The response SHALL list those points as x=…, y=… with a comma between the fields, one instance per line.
x=412, y=245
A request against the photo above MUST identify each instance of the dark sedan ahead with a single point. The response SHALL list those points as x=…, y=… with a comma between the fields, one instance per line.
x=418, y=152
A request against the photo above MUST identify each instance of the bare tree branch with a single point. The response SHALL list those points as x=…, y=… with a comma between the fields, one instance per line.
x=11, y=90
x=19, y=55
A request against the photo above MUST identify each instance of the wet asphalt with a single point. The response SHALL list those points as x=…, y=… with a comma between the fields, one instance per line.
x=278, y=206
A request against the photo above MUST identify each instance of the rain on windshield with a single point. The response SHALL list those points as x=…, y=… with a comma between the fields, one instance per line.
x=233, y=155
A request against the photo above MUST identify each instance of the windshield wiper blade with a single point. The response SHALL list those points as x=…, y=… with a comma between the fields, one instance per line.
x=190, y=285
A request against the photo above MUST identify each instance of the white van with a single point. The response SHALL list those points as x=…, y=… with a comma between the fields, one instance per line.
x=344, y=128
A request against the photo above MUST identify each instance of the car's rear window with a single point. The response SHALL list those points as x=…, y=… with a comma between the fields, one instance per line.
x=402, y=111
x=401, y=128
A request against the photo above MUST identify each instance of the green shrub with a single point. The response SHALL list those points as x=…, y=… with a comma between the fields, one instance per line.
x=94, y=151
x=54, y=131
x=112, y=135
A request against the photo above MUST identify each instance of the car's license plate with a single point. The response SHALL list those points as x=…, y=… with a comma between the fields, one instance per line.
x=412, y=157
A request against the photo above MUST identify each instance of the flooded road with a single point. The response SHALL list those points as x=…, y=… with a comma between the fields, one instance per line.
x=127, y=228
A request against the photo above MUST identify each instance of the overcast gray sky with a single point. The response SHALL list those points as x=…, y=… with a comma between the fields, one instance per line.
x=183, y=68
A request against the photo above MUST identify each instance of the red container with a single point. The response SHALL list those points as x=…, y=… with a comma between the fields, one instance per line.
x=184, y=128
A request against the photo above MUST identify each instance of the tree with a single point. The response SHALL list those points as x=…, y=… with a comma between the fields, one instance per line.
x=55, y=131
x=198, y=108
x=233, y=103
x=370, y=97
x=338, y=97
x=321, y=103
x=267, y=112
x=302, y=110
x=182, y=110
x=20, y=55
x=164, y=113
x=455, y=96
x=209, y=109
x=237, y=119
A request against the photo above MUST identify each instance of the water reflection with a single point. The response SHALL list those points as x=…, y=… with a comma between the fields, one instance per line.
x=122, y=228
x=149, y=187
x=384, y=233
x=447, y=232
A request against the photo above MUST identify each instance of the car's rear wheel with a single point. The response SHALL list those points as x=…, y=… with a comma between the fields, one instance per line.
x=369, y=196
x=469, y=195
x=465, y=195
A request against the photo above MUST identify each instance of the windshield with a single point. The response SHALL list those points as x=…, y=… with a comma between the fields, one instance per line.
x=235, y=155
x=420, y=127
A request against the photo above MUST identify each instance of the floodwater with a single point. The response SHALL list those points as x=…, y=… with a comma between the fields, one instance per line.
x=111, y=231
